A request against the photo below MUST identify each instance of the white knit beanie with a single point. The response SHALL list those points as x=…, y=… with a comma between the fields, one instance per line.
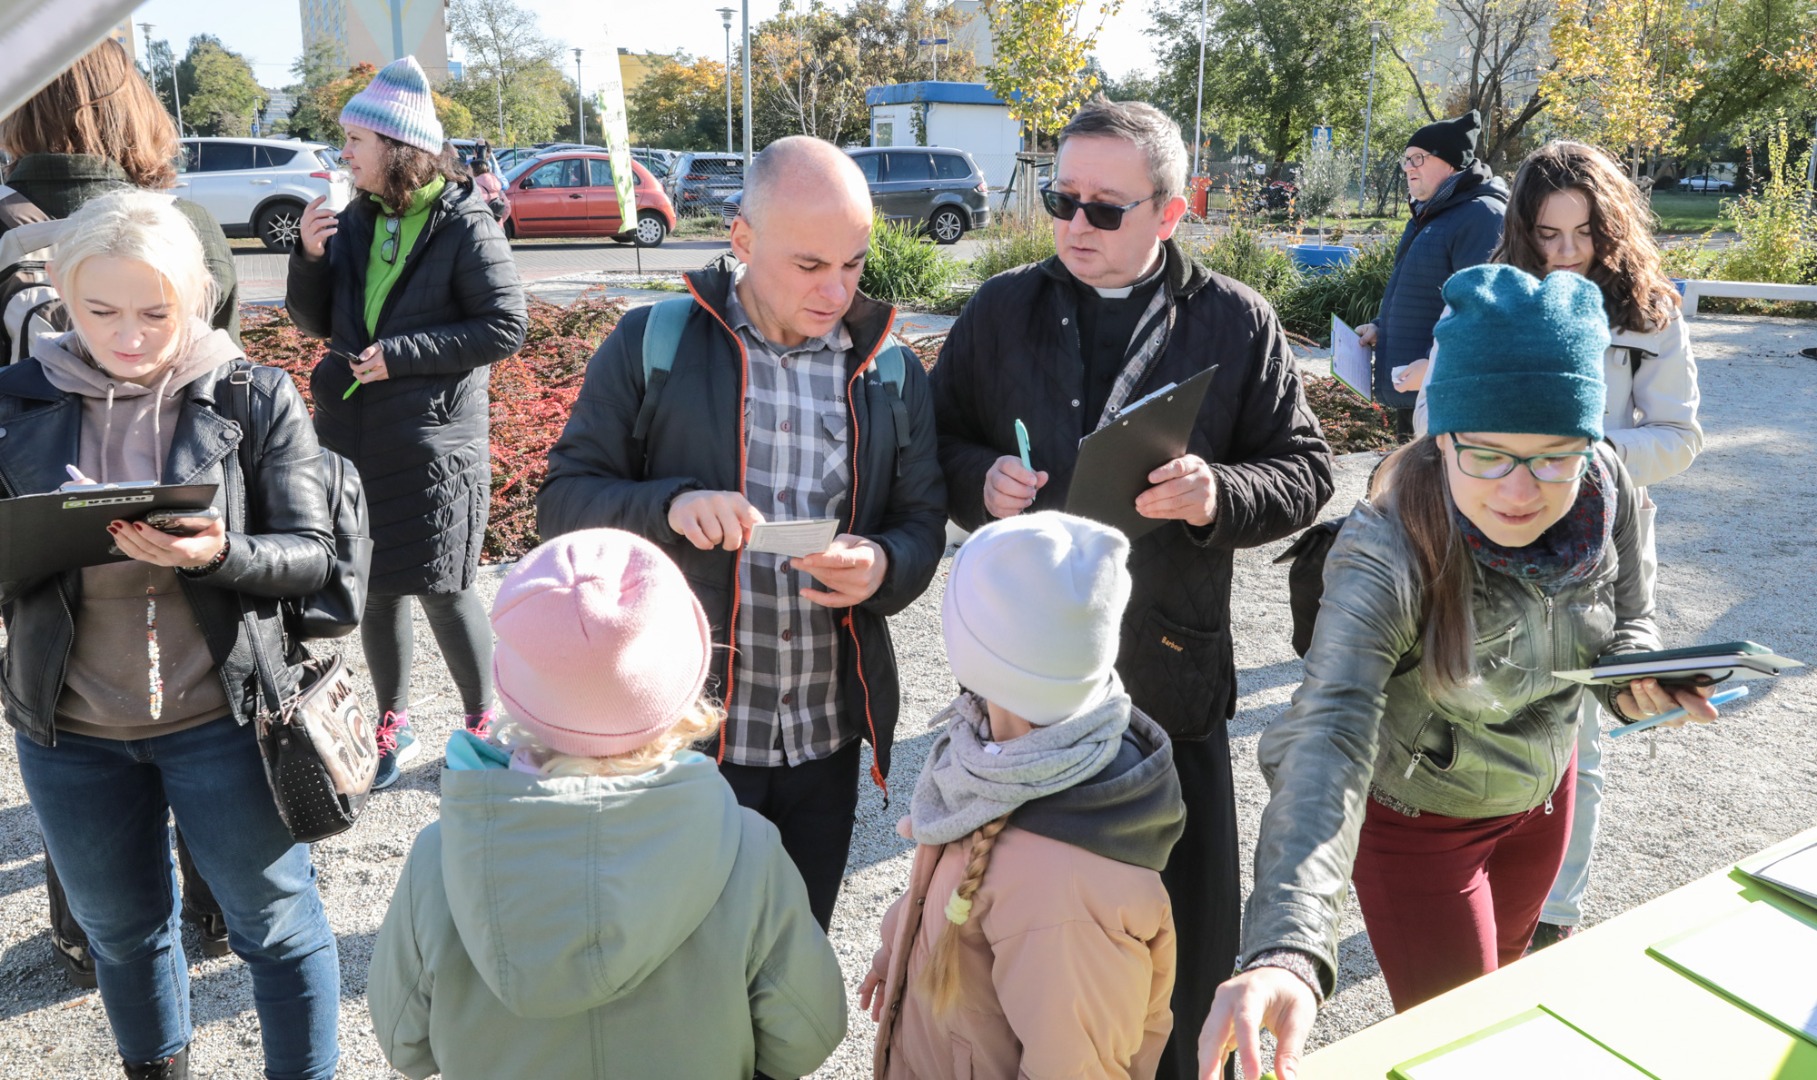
x=1032, y=612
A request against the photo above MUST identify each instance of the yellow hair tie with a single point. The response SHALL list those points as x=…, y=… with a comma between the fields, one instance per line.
x=958, y=909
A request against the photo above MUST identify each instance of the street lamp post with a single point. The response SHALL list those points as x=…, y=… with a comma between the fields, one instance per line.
x=1198, y=111
x=580, y=104
x=176, y=94
x=1362, y=183
x=746, y=6
x=725, y=18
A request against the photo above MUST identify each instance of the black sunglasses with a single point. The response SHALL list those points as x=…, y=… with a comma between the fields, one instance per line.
x=1101, y=215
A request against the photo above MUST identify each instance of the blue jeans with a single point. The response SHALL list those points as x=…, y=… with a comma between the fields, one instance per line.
x=103, y=806
x=1565, y=903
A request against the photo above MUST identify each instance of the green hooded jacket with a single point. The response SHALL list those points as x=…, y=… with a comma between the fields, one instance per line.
x=572, y=927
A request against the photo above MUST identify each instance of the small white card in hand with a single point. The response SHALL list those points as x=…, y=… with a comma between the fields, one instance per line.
x=793, y=538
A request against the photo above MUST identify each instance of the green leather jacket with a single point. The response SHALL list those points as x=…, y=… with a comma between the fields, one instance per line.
x=1496, y=746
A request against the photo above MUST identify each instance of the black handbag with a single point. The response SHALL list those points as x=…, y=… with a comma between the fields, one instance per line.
x=319, y=749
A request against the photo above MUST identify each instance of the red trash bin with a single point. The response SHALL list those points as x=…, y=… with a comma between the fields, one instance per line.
x=1199, y=194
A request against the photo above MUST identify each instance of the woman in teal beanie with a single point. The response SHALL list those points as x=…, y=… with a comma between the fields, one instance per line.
x=1428, y=755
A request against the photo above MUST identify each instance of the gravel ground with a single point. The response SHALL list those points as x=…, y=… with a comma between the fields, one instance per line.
x=1736, y=562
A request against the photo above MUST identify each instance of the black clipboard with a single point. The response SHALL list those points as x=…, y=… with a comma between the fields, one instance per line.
x=64, y=530
x=1115, y=460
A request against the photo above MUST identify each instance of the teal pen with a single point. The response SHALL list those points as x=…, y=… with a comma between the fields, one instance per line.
x=1721, y=697
x=1022, y=445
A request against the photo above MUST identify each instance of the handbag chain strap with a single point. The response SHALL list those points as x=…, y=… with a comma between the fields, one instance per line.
x=271, y=701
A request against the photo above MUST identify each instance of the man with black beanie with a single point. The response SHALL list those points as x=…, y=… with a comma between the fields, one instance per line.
x=1457, y=205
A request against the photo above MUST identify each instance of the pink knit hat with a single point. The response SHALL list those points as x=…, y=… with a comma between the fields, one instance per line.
x=601, y=644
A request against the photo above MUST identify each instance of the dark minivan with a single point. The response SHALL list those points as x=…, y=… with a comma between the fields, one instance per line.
x=937, y=187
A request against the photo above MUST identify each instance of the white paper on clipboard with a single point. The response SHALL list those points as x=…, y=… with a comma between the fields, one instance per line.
x=1350, y=359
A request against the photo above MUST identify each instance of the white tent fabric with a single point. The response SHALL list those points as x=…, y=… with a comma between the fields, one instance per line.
x=39, y=38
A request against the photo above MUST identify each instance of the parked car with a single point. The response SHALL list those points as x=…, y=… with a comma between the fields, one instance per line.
x=570, y=193
x=938, y=188
x=659, y=162
x=699, y=182
x=1704, y=182
x=729, y=207
x=259, y=187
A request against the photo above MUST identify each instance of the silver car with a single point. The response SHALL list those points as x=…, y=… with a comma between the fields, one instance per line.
x=259, y=187
x=938, y=188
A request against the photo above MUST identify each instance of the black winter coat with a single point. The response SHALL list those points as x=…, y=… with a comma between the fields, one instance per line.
x=1457, y=228
x=280, y=539
x=419, y=438
x=601, y=476
x=1014, y=354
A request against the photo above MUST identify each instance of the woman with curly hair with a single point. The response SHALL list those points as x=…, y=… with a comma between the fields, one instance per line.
x=1573, y=209
x=416, y=291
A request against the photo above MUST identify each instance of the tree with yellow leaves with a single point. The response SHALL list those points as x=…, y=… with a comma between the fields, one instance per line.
x=1041, y=50
x=1622, y=69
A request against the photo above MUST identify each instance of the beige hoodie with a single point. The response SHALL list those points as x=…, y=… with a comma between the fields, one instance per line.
x=126, y=435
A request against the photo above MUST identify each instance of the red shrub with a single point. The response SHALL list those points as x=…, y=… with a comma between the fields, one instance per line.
x=532, y=393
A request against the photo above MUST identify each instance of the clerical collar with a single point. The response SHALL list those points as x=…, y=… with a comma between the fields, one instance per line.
x=1125, y=291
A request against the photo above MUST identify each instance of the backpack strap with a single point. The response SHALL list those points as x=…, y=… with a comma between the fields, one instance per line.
x=662, y=339
x=892, y=362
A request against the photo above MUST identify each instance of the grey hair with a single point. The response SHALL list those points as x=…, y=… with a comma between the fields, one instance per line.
x=775, y=164
x=1152, y=131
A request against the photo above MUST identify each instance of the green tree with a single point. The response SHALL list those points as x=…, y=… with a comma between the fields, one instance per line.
x=1274, y=68
x=1042, y=52
x=1501, y=51
x=512, y=77
x=318, y=67
x=681, y=105
x=1759, y=58
x=221, y=96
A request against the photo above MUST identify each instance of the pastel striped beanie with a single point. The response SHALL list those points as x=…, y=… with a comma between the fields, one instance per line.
x=398, y=105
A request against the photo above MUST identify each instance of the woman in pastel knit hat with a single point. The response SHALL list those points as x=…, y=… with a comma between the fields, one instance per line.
x=414, y=287
x=1428, y=755
x=594, y=902
x=1035, y=932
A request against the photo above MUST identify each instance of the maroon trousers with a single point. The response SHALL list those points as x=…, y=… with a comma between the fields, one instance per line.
x=1448, y=899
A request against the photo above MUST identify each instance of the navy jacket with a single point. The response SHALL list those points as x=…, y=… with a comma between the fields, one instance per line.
x=1458, y=227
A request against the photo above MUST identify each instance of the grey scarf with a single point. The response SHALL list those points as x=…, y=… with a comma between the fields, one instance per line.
x=969, y=781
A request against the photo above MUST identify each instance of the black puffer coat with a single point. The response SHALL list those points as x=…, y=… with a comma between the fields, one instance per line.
x=418, y=438
x=1014, y=354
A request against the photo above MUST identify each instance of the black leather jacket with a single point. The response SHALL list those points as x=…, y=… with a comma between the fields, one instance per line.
x=280, y=538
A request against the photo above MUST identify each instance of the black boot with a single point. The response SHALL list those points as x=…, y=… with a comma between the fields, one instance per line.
x=211, y=928
x=172, y=1068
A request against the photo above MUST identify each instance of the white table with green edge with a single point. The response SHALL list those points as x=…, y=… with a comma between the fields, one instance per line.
x=1546, y=1015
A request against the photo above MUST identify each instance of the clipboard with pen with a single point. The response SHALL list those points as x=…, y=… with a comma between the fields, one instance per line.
x=67, y=529
x=1115, y=460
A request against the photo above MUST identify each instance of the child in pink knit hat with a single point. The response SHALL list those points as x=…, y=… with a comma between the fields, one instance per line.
x=593, y=900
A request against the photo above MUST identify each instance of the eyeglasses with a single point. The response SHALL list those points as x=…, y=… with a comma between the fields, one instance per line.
x=1414, y=160
x=388, y=250
x=1101, y=215
x=1486, y=464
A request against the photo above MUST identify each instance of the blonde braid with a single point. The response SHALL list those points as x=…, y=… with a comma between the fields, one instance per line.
x=940, y=979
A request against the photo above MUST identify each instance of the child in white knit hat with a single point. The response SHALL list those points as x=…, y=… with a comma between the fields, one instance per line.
x=1035, y=930
x=593, y=901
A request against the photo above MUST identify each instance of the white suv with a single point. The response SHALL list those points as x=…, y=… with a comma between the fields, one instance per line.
x=259, y=187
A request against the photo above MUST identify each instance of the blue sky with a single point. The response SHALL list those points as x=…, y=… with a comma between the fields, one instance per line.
x=269, y=32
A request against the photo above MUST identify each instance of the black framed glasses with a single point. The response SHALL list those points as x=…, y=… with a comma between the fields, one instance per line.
x=1486, y=464
x=1414, y=160
x=1101, y=215
x=388, y=250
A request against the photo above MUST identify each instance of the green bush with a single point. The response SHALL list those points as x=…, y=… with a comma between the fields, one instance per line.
x=902, y=268
x=1776, y=230
x=1352, y=292
x=1240, y=253
x=1016, y=240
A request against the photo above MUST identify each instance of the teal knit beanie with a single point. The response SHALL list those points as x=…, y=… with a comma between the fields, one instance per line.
x=398, y=105
x=1518, y=355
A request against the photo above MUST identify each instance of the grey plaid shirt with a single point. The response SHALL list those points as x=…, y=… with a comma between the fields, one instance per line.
x=785, y=682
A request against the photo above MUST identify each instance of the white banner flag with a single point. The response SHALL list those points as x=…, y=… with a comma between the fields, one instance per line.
x=611, y=101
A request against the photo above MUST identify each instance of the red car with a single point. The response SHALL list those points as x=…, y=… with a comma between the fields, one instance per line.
x=571, y=194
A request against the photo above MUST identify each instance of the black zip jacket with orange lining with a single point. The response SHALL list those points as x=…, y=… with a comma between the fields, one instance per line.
x=614, y=468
